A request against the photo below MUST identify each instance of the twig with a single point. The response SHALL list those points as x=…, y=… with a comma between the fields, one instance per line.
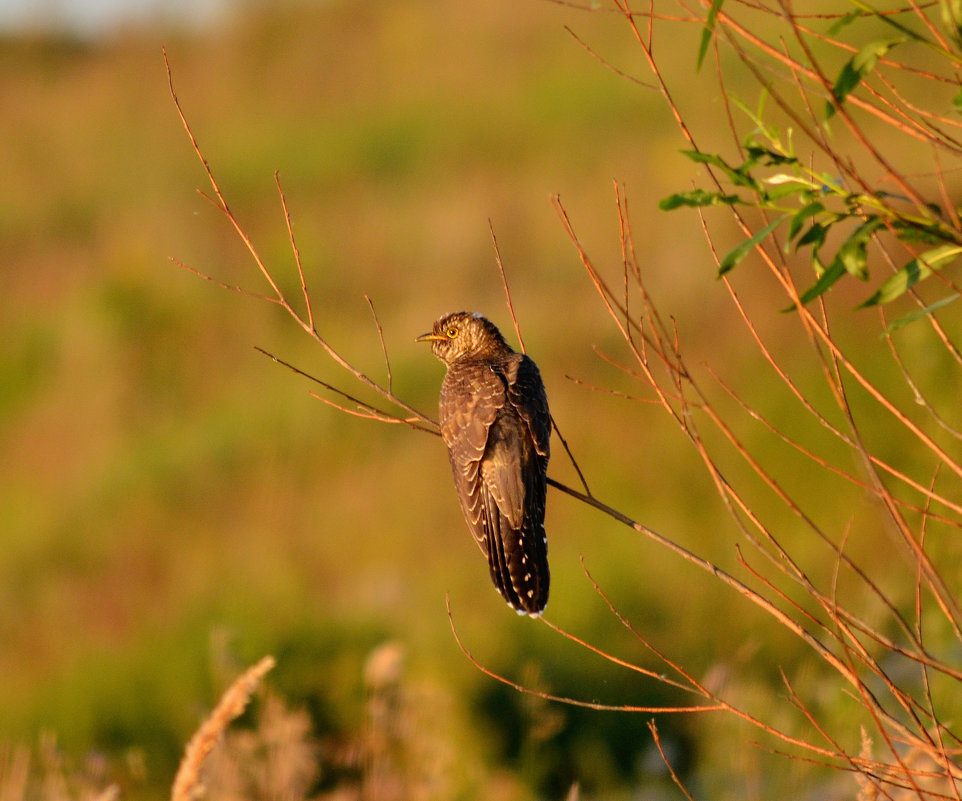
x=380, y=336
x=606, y=63
x=297, y=254
x=560, y=698
x=229, y=287
x=664, y=758
x=371, y=412
x=504, y=283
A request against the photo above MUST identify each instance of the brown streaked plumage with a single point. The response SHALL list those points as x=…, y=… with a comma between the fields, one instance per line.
x=495, y=422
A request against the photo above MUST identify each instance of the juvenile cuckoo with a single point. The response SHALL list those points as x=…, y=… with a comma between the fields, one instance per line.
x=495, y=422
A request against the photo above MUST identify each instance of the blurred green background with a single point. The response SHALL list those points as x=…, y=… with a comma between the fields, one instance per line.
x=173, y=504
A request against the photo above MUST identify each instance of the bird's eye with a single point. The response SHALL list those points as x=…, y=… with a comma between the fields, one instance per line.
x=451, y=331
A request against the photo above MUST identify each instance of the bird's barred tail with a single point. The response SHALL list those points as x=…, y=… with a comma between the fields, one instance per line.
x=519, y=567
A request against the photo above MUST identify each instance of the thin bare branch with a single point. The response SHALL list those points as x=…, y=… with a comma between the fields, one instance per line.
x=221, y=200
x=504, y=283
x=417, y=422
x=297, y=254
x=380, y=336
x=607, y=64
x=664, y=758
x=564, y=699
x=229, y=287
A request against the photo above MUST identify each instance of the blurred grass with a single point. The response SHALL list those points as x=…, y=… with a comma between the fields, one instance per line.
x=163, y=482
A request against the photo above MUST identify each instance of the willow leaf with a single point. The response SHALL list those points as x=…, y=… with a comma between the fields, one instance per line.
x=856, y=68
x=742, y=249
x=916, y=270
x=708, y=31
x=895, y=325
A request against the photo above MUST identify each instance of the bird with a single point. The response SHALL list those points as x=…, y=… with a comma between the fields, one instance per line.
x=495, y=422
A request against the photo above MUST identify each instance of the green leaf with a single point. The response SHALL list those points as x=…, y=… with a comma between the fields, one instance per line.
x=927, y=233
x=916, y=270
x=735, y=174
x=813, y=236
x=741, y=250
x=800, y=216
x=918, y=313
x=784, y=189
x=708, y=31
x=768, y=157
x=823, y=284
x=700, y=157
x=844, y=21
x=697, y=197
x=853, y=252
x=892, y=22
x=768, y=130
x=957, y=101
x=856, y=68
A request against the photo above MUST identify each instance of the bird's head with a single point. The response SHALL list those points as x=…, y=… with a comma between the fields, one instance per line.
x=464, y=335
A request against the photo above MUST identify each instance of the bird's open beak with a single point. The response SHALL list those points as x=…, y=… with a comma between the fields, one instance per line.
x=430, y=336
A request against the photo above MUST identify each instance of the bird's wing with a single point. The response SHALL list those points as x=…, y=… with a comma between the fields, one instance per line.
x=527, y=395
x=502, y=468
x=529, y=403
x=513, y=473
x=513, y=495
x=471, y=397
x=516, y=458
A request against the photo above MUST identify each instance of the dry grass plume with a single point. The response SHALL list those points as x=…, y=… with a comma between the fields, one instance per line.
x=187, y=783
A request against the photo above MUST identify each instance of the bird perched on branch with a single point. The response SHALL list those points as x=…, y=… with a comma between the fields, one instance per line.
x=495, y=422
